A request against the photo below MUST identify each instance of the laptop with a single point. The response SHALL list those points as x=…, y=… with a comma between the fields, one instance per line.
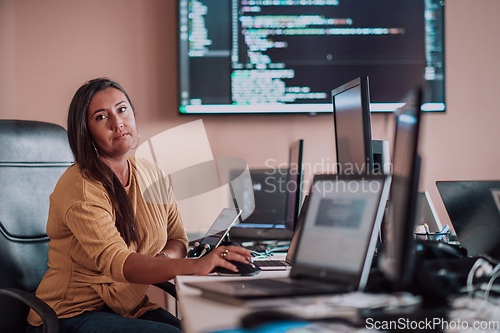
x=474, y=211
x=278, y=265
x=335, y=246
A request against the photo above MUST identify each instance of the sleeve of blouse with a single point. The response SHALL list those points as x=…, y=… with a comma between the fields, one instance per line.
x=95, y=230
x=156, y=188
x=175, y=228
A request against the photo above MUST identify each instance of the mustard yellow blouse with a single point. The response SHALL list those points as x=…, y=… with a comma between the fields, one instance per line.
x=86, y=251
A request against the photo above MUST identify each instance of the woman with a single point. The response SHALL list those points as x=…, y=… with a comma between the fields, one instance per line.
x=110, y=236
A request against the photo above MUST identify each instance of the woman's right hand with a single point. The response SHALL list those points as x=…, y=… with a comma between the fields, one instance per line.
x=219, y=258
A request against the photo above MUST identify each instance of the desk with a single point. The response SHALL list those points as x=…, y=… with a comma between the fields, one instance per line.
x=200, y=314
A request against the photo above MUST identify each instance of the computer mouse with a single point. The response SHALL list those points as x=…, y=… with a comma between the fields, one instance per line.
x=243, y=269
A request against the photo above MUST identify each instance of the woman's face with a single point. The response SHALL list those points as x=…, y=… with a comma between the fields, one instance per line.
x=111, y=123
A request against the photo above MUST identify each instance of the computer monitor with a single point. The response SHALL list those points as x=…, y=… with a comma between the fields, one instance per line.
x=277, y=196
x=284, y=56
x=397, y=259
x=267, y=220
x=352, y=125
x=294, y=185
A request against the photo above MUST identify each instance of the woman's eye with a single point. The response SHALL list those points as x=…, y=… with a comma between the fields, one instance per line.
x=122, y=109
x=100, y=117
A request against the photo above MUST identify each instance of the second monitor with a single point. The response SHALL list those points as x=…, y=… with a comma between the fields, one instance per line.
x=277, y=196
x=356, y=152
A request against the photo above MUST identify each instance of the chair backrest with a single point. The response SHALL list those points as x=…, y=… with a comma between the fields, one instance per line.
x=33, y=156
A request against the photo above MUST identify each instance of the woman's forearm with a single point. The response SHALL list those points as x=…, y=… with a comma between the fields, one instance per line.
x=174, y=249
x=139, y=268
x=144, y=269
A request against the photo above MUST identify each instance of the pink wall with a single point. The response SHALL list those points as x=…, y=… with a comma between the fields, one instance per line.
x=49, y=48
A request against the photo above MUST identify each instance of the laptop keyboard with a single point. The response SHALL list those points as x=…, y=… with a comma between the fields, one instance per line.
x=270, y=263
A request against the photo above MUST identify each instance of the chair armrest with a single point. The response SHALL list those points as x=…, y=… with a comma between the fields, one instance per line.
x=168, y=287
x=49, y=317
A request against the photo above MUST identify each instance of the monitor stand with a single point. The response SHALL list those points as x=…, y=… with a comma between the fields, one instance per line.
x=381, y=157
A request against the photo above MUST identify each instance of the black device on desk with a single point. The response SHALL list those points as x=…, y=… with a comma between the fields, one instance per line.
x=473, y=207
x=431, y=250
x=215, y=235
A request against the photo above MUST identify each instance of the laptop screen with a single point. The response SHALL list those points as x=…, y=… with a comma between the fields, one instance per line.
x=472, y=207
x=341, y=225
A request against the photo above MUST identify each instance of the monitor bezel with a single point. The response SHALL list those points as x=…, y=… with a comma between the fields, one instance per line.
x=297, y=196
x=399, y=269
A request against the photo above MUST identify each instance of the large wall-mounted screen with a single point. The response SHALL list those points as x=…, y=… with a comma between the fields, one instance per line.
x=272, y=56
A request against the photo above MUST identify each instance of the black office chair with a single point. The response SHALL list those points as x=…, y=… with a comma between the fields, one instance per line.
x=33, y=156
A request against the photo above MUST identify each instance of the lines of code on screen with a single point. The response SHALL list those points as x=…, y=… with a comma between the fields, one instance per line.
x=269, y=53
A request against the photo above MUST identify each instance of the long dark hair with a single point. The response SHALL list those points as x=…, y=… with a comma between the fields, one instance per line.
x=85, y=154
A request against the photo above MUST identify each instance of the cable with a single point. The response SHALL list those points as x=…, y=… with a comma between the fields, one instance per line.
x=494, y=274
x=470, y=276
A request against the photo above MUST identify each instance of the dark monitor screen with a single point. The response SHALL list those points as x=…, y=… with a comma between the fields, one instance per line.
x=284, y=56
x=294, y=185
x=352, y=125
x=474, y=211
x=398, y=243
x=267, y=220
x=277, y=196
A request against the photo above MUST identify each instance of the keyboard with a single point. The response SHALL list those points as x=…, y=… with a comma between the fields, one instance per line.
x=271, y=264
